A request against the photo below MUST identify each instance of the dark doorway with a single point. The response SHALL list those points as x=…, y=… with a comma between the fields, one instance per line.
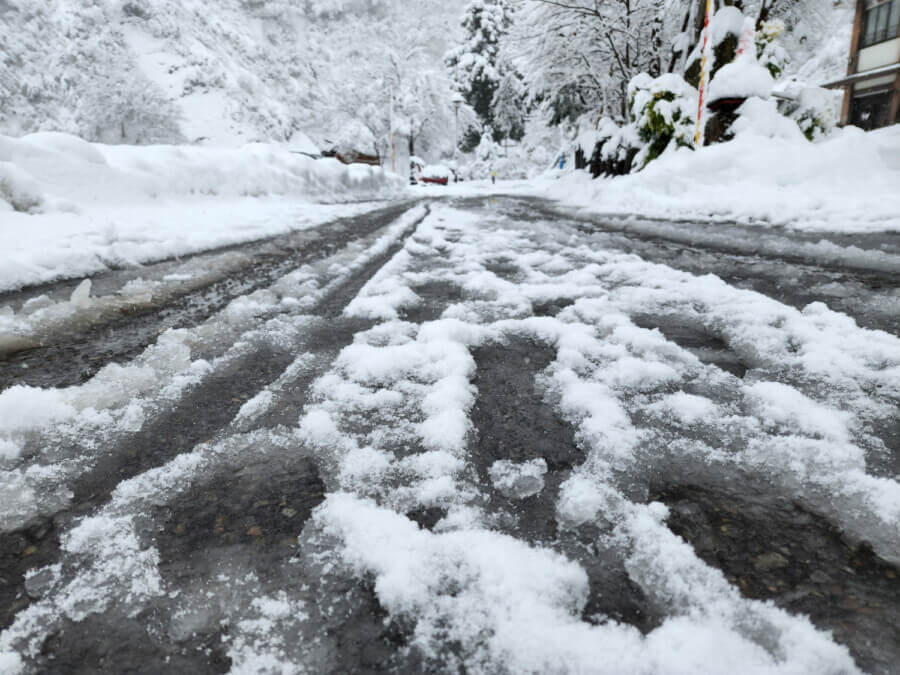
x=870, y=110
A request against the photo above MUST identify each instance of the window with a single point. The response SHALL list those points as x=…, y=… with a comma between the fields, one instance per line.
x=881, y=22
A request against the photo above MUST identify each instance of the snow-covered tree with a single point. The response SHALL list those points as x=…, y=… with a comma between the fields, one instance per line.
x=399, y=89
x=124, y=108
x=579, y=55
x=477, y=67
x=508, y=107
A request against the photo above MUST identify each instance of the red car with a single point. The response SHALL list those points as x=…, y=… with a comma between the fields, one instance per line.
x=437, y=174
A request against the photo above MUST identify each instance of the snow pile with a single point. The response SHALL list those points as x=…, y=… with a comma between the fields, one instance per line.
x=69, y=208
x=769, y=174
x=742, y=78
x=66, y=168
x=18, y=190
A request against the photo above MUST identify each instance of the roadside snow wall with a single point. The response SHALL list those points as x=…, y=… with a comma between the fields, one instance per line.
x=770, y=174
x=48, y=172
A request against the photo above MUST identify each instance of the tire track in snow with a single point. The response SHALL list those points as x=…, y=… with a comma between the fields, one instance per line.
x=200, y=415
x=858, y=275
x=73, y=350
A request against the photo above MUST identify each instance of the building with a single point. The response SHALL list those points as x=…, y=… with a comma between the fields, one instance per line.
x=872, y=85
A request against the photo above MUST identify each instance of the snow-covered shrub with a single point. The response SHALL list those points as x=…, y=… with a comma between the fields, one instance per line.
x=768, y=50
x=587, y=136
x=18, y=189
x=814, y=111
x=663, y=113
x=614, y=149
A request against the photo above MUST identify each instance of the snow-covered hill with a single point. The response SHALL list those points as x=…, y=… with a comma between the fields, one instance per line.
x=229, y=71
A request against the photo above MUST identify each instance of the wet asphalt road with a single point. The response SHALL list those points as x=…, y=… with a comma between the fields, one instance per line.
x=768, y=546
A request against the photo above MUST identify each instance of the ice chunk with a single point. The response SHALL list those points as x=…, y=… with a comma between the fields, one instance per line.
x=518, y=480
x=81, y=296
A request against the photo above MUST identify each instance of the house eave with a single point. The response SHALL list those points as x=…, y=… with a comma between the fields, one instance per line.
x=861, y=77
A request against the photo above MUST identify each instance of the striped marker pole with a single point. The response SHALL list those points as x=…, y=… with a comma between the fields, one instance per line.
x=704, y=75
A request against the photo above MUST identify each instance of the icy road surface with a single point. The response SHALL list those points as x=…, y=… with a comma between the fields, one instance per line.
x=464, y=436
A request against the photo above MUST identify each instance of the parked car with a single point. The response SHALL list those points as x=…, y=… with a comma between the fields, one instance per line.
x=352, y=157
x=436, y=173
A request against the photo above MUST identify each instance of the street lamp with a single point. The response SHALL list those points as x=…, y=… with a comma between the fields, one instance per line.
x=457, y=101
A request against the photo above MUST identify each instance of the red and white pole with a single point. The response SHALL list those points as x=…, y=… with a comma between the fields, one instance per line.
x=704, y=74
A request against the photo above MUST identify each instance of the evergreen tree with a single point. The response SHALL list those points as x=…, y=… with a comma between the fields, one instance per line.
x=476, y=69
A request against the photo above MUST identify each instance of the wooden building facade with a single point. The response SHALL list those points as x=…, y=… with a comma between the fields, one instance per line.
x=872, y=85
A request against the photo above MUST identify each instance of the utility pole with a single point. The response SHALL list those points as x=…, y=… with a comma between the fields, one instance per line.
x=457, y=101
x=391, y=123
x=704, y=75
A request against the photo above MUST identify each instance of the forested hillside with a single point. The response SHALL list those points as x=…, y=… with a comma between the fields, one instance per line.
x=378, y=73
x=147, y=71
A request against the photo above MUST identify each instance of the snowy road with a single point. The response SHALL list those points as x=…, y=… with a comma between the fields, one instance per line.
x=479, y=435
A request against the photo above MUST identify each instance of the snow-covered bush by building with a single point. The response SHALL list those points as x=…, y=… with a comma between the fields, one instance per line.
x=769, y=174
x=663, y=113
x=814, y=111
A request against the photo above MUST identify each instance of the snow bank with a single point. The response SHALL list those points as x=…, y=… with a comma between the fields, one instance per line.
x=85, y=174
x=768, y=175
x=67, y=207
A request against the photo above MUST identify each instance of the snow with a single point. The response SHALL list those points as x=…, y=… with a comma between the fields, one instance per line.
x=606, y=366
x=388, y=421
x=726, y=21
x=478, y=584
x=768, y=175
x=81, y=207
x=436, y=171
x=516, y=607
x=389, y=424
x=742, y=78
